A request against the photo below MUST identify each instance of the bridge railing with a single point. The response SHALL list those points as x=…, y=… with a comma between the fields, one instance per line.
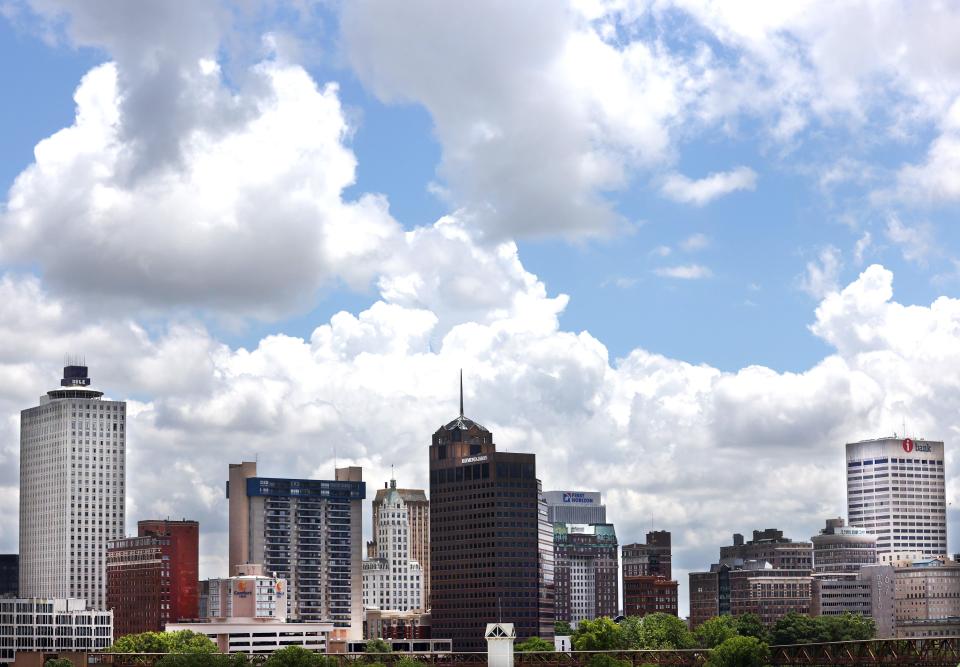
x=917, y=652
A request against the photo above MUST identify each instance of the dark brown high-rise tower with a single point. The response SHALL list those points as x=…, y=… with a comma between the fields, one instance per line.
x=488, y=559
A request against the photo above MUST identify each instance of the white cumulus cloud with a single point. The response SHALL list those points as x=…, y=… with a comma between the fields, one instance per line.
x=702, y=191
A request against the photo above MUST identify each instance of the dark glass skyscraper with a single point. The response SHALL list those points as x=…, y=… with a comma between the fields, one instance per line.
x=485, y=530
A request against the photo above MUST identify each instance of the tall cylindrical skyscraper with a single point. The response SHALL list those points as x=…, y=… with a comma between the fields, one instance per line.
x=896, y=490
x=72, y=468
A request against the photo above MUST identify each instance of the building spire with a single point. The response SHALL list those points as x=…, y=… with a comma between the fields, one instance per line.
x=393, y=478
x=461, y=392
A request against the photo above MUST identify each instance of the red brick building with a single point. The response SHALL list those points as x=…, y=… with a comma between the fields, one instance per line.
x=152, y=579
x=649, y=595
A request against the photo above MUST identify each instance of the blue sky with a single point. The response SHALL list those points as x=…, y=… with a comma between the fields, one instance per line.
x=283, y=228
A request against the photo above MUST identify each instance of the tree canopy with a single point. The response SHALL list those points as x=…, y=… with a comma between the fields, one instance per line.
x=377, y=646
x=796, y=628
x=562, y=628
x=656, y=631
x=715, y=631
x=739, y=652
x=534, y=644
x=600, y=634
x=182, y=641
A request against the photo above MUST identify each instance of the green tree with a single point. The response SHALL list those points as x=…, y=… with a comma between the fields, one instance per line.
x=794, y=628
x=534, y=644
x=845, y=628
x=377, y=646
x=294, y=656
x=657, y=631
x=182, y=641
x=562, y=628
x=409, y=662
x=600, y=634
x=750, y=625
x=715, y=631
x=739, y=652
x=58, y=662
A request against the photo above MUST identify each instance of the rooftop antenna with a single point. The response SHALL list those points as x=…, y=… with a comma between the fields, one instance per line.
x=461, y=392
x=334, y=461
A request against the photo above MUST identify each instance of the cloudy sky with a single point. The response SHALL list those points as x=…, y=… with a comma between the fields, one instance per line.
x=683, y=250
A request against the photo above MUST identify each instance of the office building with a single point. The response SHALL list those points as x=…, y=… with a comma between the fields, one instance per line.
x=709, y=594
x=649, y=559
x=308, y=532
x=649, y=595
x=868, y=591
x=51, y=626
x=586, y=568
x=840, y=548
x=770, y=593
x=490, y=539
x=9, y=575
x=771, y=546
x=576, y=507
x=72, y=495
x=896, y=491
x=152, y=578
x=927, y=597
x=418, y=522
x=391, y=579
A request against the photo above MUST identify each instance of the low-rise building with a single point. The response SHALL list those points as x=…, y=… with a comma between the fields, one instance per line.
x=868, y=592
x=51, y=626
x=392, y=624
x=238, y=635
x=927, y=596
x=649, y=595
x=248, y=614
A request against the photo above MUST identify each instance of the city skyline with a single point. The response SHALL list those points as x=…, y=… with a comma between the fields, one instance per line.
x=676, y=267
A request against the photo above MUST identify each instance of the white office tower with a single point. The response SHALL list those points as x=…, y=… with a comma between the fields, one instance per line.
x=392, y=580
x=72, y=454
x=896, y=490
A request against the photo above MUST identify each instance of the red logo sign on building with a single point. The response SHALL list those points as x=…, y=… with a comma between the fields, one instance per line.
x=908, y=445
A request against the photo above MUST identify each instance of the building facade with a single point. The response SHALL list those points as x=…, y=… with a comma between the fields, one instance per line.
x=579, y=507
x=418, y=521
x=35, y=625
x=649, y=559
x=586, y=568
x=72, y=490
x=705, y=595
x=490, y=538
x=649, y=595
x=390, y=624
x=927, y=596
x=840, y=548
x=250, y=595
x=152, y=579
x=308, y=532
x=9, y=575
x=771, y=546
x=867, y=592
x=768, y=592
x=896, y=491
x=391, y=579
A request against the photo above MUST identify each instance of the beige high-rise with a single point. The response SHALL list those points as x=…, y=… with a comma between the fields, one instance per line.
x=309, y=532
x=418, y=520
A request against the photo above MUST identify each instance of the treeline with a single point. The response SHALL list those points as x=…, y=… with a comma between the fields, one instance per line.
x=734, y=641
